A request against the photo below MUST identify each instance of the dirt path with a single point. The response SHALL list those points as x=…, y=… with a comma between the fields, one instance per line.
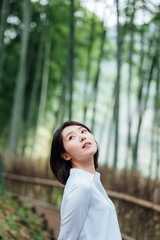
x=52, y=216
x=50, y=213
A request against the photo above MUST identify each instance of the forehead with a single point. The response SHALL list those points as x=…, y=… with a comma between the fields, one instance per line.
x=71, y=128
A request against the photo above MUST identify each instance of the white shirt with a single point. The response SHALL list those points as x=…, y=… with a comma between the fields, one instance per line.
x=87, y=213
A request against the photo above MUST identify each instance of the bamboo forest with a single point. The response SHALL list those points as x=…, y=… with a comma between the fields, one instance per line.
x=96, y=62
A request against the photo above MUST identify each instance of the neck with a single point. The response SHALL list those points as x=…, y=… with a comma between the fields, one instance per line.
x=88, y=168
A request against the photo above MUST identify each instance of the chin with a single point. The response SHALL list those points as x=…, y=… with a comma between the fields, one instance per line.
x=92, y=152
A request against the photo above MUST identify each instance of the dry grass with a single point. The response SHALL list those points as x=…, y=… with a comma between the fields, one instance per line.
x=22, y=166
x=132, y=183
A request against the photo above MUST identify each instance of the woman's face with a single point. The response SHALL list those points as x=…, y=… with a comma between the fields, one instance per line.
x=79, y=143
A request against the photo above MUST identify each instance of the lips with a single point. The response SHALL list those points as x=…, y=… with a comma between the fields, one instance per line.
x=86, y=144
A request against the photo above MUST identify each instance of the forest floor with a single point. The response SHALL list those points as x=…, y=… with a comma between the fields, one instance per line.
x=18, y=221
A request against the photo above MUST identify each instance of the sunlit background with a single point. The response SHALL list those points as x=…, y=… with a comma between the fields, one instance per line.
x=96, y=62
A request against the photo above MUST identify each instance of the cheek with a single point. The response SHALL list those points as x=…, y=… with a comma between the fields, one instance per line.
x=70, y=148
x=93, y=140
x=65, y=146
x=91, y=137
x=96, y=145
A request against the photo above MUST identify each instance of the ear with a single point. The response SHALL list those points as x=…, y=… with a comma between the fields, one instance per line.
x=65, y=156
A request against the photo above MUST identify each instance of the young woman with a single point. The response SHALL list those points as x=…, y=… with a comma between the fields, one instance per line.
x=87, y=213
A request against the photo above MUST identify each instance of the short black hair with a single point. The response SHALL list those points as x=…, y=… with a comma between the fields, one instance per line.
x=59, y=166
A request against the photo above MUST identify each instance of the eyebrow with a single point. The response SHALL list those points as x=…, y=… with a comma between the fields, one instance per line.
x=73, y=131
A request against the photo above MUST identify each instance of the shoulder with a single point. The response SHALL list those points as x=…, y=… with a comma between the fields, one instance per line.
x=77, y=186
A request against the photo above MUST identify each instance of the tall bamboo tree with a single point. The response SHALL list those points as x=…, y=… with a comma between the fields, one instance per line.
x=96, y=79
x=71, y=58
x=34, y=92
x=18, y=102
x=62, y=99
x=117, y=86
x=157, y=111
x=143, y=106
x=88, y=67
x=130, y=63
x=157, y=107
x=44, y=86
x=3, y=20
x=155, y=131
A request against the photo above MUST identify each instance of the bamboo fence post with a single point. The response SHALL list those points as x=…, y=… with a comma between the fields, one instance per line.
x=156, y=200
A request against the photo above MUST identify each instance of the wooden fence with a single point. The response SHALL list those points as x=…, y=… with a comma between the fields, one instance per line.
x=116, y=195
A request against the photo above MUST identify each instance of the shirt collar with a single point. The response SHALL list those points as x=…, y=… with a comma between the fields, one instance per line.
x=84, y=173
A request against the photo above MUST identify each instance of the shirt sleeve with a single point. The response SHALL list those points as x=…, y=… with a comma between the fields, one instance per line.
x=75, y=211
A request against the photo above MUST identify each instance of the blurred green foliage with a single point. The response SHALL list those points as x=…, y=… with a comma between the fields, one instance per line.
x=17, y=220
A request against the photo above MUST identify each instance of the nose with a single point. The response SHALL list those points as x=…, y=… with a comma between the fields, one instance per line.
x=82, y=138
